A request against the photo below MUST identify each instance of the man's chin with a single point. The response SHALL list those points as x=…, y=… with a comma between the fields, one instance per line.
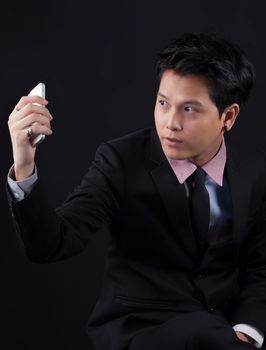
x=172, y=154
x=176, y=157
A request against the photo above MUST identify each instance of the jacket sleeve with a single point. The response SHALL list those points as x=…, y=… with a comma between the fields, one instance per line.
x=250, y=303
x=50, y=234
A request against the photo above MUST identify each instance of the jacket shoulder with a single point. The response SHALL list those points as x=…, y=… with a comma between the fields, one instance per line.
x=133, y=142
x=249, y=161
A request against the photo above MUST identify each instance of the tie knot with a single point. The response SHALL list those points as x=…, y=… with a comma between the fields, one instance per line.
x=199, y=177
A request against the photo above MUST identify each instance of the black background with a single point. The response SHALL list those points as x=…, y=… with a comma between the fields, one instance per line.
x=98, y=62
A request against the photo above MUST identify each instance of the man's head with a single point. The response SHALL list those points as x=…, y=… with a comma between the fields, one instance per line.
x=203, y=81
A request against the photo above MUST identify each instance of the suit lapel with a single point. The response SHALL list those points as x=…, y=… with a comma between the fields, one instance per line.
x=173, y=196
x=175, y=201
x=240, y=192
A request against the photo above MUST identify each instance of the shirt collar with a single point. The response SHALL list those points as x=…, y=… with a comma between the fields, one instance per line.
x=214, y=167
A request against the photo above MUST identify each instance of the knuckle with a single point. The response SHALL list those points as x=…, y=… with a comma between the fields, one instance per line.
x=45, y=120
x=33, y=128
x=27, y=108
x=35, y=117
x=30, y=117
x=30, y=106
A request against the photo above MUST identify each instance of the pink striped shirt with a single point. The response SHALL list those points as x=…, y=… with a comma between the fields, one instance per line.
x=214, y=167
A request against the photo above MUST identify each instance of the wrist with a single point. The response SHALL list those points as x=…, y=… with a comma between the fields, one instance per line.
x=245, y=337
x=22, y=173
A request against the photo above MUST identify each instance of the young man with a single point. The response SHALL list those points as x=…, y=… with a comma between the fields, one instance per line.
x=186, y=267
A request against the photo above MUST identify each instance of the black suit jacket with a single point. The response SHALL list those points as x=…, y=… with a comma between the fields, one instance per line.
x=153, y=267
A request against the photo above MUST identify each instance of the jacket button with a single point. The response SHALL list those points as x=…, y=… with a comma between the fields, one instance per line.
x=210, y=308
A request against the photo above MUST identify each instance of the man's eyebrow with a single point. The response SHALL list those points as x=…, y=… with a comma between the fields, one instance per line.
x=161, y=94
x=193, y=102
x=190, y=102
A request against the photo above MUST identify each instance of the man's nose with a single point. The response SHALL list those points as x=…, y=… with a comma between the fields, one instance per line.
x=174, y=123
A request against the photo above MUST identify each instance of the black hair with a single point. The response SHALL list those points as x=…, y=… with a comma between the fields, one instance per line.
x=227, y=69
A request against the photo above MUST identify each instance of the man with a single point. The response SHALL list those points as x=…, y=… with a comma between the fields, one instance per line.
x=186, y=266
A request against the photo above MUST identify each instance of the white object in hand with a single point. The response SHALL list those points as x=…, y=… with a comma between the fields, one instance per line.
x=38, y=90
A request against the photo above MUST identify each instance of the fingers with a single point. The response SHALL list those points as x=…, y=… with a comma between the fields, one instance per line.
x=20, y=136
x=28, y=115
x=37, y=129
x=29, y=109
x=30, y=120
x=29, y=99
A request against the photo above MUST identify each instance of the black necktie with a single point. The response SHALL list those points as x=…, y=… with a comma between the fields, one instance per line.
x=200, y=209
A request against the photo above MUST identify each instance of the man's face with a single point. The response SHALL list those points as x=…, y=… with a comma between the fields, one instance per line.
x=185, y=112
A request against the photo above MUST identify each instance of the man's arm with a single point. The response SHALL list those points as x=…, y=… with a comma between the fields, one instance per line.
x=50, y=234
x=250, y=304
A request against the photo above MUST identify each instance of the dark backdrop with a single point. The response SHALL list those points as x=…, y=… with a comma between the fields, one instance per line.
x=98, y=61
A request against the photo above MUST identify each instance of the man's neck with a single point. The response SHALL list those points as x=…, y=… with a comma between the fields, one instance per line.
x=205, y=157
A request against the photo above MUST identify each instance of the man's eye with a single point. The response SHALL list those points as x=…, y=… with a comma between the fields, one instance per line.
x=163, y=103
x=188, y=109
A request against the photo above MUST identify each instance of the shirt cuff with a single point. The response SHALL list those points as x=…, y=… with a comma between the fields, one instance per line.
x=251, y=331
x=20, y=189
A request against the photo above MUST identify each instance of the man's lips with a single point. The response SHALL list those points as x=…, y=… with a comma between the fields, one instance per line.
x=173, y=139
x=172, y=142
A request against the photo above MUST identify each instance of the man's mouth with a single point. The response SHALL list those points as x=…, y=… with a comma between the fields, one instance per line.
x=173, y=140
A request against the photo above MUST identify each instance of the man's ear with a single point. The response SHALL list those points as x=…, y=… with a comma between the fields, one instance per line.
x=229, y=116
